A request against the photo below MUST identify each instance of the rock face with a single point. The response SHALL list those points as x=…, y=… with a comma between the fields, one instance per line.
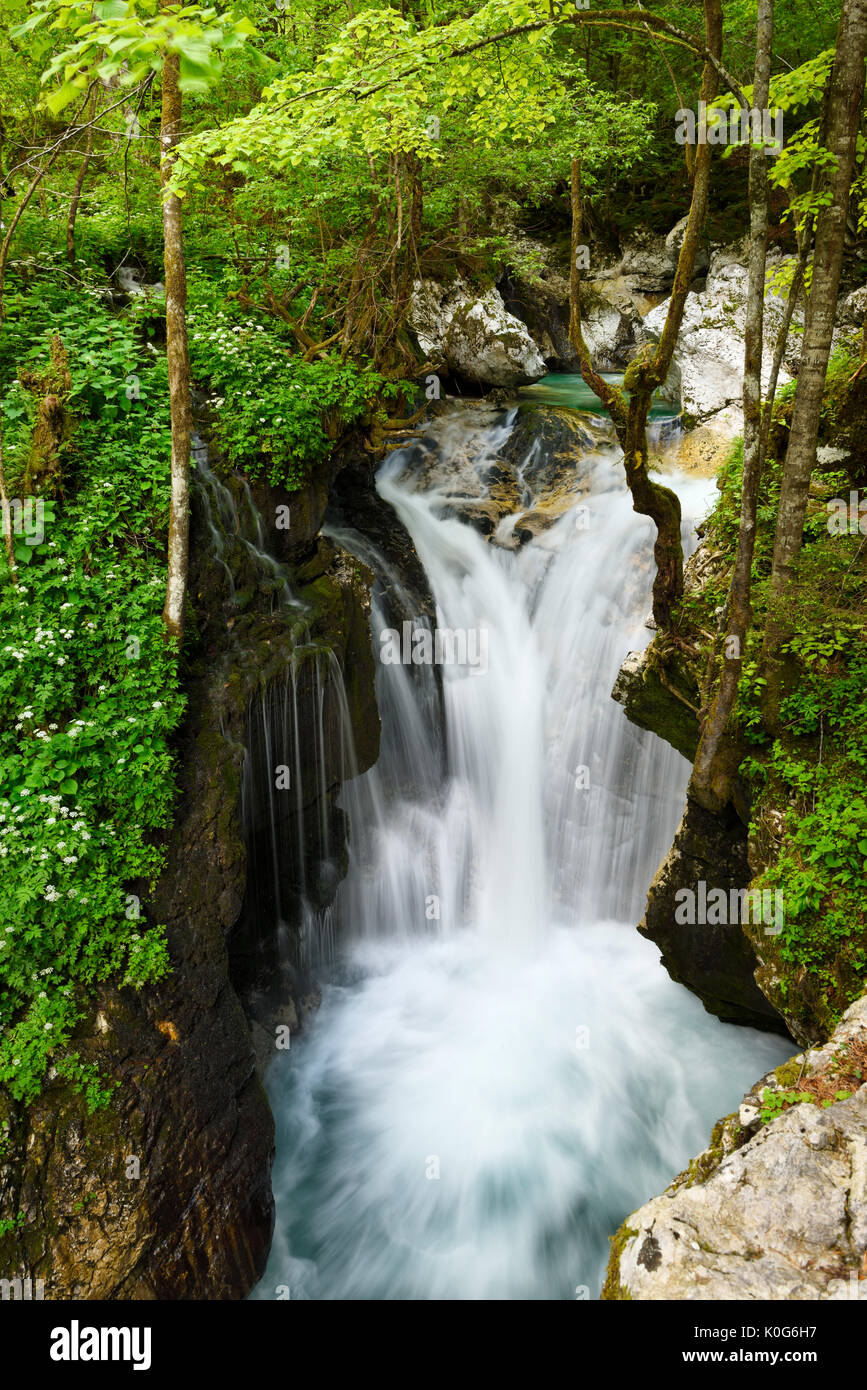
x=474, y=336
x=710, y=347
x=715, y=961
x=165, y=1194
x=536, y=289
x=659, y=691
x=770, y=1211
x=853, y=310
x=660, y=695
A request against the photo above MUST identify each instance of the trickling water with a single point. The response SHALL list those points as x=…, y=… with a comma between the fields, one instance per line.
x=500, y=1070
x=226, y=526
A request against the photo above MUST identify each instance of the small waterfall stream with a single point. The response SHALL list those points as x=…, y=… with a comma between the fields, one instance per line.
x=500, y=1069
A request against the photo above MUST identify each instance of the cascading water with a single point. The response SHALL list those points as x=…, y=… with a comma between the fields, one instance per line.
x=500, y=1069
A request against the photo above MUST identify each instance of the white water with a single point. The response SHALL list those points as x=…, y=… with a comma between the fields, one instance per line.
x=501, y=1070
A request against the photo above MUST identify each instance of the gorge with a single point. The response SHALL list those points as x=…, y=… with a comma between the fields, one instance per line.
x=432, y=700
x=499, y=1068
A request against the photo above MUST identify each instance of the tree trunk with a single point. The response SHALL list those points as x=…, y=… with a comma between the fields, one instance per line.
x=6, y=514
x=719, y=751
x=16, y=218
x=177, y=356
x=79, y=184
x=845, y=97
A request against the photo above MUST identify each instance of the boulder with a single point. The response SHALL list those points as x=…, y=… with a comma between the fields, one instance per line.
x=536, y=290
x=538, y=471
x=474, y=336
x=770, y=1211
x=717, y=962
x=646, y=268
x=853, y=309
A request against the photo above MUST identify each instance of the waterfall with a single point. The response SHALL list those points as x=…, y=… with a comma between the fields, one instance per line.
x=297, y=721
x=500, y=1070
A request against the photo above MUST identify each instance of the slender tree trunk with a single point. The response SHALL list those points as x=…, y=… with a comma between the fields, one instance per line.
x=79, y=185
x=6, y=513
x=845, y=98
x=177, y=356
x=719, y=751
x=5, y=247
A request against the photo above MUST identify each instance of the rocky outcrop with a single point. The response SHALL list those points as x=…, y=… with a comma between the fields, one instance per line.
x=717, y=960
x=166, y=1193
x=536, y=289
x=770, y=1211
x=659, y=692
x=473, y=336
x=714, y=959
x=540, y=469
x=355, y=506
x=649, y=260
x=710, y=345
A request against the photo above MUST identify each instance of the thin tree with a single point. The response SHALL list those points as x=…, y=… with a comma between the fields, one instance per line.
x=844, y=103
x=177, y=354
x=713, y=778
x=629, y=407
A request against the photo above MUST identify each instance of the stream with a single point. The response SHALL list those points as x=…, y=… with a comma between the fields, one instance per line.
x=500, y=1070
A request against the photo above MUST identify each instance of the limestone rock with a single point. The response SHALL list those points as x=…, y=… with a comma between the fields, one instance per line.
x=782, y=1216
x=710, y=346
x=853, y=309
x=540, y=470
x=716, y=961
x=474, y=336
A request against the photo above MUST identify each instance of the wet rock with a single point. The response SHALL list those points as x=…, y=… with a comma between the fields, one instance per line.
x=165, y=1194
x=716, y=961
x=537, y=472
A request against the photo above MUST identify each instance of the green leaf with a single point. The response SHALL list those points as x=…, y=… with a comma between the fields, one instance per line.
x=57, y=100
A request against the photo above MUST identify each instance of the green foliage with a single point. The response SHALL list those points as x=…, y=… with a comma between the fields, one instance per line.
x=88, y=699
x=812, y=776
x=124, y=41
x=775, y=1102
x=9, y=1224
x=273, y=413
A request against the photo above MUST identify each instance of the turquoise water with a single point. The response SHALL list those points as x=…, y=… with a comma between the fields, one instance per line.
x=571, y=391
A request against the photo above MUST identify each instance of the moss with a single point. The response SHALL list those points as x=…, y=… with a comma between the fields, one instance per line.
x=662, y=695
x=726, y=1136
x=612, y=1290
x=789, y=1074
